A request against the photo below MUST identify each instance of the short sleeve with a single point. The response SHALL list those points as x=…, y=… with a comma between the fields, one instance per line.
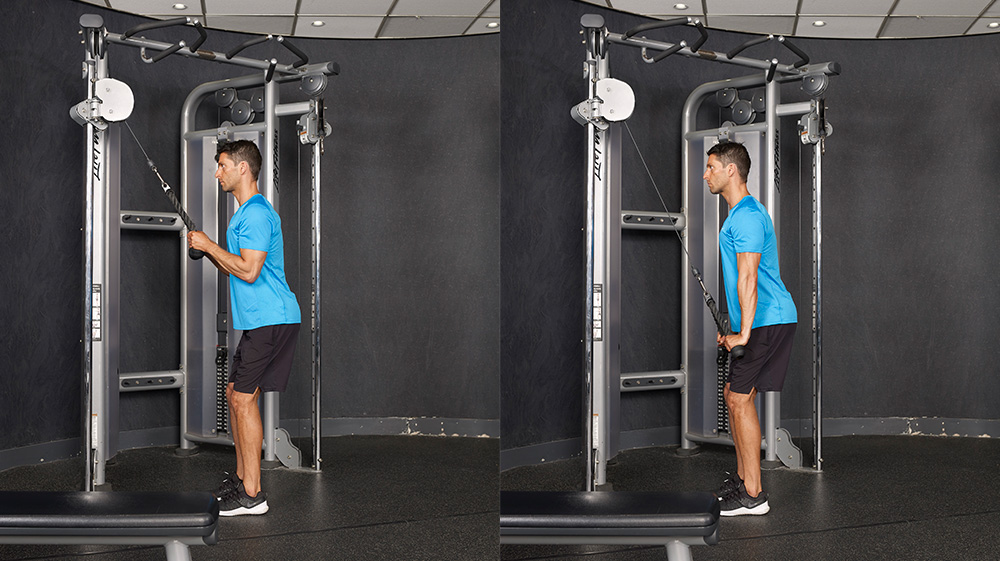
x=748, y=233
x=255, y=231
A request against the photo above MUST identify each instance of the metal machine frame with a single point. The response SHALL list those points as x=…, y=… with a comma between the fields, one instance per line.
x=203, y=329
x=610, y=102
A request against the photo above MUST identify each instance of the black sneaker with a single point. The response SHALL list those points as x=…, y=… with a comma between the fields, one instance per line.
x=228, y=485
x=739, y=503
x=732, y=483
x=238, y=503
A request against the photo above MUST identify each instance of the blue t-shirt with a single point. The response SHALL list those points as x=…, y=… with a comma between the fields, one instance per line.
x=749, y=229
x=268, y=301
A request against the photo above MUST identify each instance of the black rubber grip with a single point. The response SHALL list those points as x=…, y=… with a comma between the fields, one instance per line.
x=803, y=57
x=737, y=352
x=167, y=52
x=701, y=40
x=202, y=35
x=654, y=25
x=155, y=25
x=249, y=43
x=747, y=45
x=303, y=58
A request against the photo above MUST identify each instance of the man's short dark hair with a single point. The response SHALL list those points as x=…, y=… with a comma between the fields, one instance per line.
x=733, y=153
x=241, y=151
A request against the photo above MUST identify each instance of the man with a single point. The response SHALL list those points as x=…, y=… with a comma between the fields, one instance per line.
x=263, y=307
x=762, y=316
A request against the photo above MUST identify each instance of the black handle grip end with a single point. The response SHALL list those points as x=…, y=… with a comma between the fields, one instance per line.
x=198, y=254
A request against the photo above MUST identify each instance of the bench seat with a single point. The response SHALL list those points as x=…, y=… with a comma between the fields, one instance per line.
x=174, y=520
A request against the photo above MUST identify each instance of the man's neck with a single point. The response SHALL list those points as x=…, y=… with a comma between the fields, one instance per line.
x=243, y=193
x=735, y=195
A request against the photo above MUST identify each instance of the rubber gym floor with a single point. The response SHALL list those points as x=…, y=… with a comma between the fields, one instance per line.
x=377, y=498
x=878, y=497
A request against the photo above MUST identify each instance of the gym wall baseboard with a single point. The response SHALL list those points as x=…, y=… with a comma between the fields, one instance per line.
x=168, y=436
x=798, y=428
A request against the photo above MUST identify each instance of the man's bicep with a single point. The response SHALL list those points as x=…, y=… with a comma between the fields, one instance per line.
x=254, y=257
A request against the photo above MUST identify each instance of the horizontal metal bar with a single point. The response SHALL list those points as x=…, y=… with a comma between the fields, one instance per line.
x=754, y=127
x=143, y=43
x=642, y=220
x=224, y=440
x=640, y=42
x=724, y=440
x=800, y=108
x=252, y=127
x=643, y=381
x=287, y=109
x=144, y=381
x=145, y=220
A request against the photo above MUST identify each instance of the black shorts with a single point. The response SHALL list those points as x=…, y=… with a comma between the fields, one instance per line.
x=766, y=360
x=263, y=358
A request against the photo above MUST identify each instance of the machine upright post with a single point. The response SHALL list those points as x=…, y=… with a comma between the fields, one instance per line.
x=817, y=309
x=770, y=193
x=269, y=188
x=100, y=329
x=317, y=151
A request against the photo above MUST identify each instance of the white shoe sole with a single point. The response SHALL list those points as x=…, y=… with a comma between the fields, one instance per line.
x=259, y=509
x=758, y=510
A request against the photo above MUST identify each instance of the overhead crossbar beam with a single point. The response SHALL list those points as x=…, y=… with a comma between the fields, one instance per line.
x=782, y=69
x=143, y=43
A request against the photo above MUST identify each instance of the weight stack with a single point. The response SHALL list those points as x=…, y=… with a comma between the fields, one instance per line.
x=722, y=360
x=221, y=381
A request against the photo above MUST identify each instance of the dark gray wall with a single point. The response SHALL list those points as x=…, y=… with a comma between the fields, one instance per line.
x=410, y=245
x=908, y=236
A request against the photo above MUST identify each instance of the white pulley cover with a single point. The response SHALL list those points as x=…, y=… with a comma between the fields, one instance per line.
x=617, y=97
x=116, y=98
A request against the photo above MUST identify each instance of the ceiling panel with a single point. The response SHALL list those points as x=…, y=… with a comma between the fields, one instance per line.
x=356, y=27
x=658, y=7
x=428, y=26
x=248, y=7
x=982, y=25
x=481, y=25
x=345, y=7
x=852, y=27
x=751, y=7
x=275, y=25
x=778, y=25
x=846, y=7
x=925, y=26
x=356, y=18
x=155, y=6
x=439, y=7
x=940, y=7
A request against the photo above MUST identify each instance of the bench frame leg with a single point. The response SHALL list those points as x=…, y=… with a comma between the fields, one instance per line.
x=177, y=551
x=678, y=551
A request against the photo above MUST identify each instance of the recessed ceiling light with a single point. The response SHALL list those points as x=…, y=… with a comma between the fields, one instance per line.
x=180, y=6
x=993, y=25
x=493, y=25
x=819, y=23
x=318, y=23
x=680, y=6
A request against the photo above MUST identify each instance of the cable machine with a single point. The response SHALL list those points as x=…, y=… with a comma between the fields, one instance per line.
x=702, y=372
x=205, y=331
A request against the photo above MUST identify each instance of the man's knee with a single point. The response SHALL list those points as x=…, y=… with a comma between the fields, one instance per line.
x=736, y=400
x=239, y=400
